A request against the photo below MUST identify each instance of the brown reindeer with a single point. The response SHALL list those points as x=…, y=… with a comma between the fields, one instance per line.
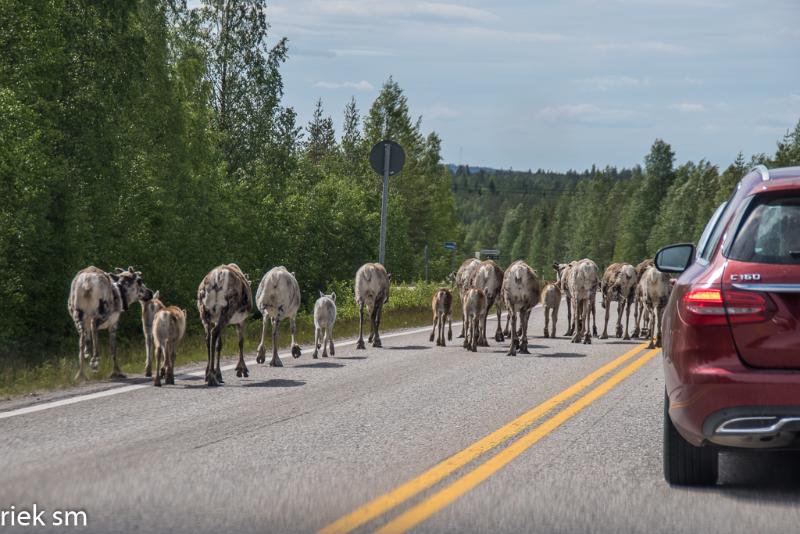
x=465, y=278
x=618, y=284
x=442, y=307
x=640, y=310
x=489, y=279
x=656, y=288
x=562, y=276
x=96, y=301
x=223, y=298
x=520, y=293
x=371, y=291
x=476, y=307
x=168, y=329
x=149, y=311
x=551, y=300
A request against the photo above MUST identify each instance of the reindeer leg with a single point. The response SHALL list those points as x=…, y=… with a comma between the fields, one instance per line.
x=210, y=355
x=547, y=322
x=81, y=374
x=95, y=361
x=276, y=360
x=159, y=357
x=607, y=306
x=295, y=347
x=587, y=339
x=506, y=331
x=524, y=337
x=463, y=317
x=627, y=318
x=323, y=334
x=450, y=326
x=433, y=332
x=512, y=350
x=221, y=328
x=569, y=317
x=261, y=352
x=378, y=311
x=498, y=335
x=329, y=334
x=318, y=341
x=112, y=337
x=170, y=380
x=241, y=367
x=620, y=309
x=594, y=316
x=211, y=374
x=148, y=358
x=360, y=345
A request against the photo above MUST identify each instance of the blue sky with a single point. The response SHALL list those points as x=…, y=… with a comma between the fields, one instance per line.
x=560, y=84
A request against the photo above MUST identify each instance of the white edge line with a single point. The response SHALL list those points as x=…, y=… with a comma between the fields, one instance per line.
x=124, y=389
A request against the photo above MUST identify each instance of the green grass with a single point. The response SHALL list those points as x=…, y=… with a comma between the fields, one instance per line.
x=408, y=306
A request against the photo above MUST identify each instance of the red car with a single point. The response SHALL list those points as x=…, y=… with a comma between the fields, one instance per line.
x=731, y=330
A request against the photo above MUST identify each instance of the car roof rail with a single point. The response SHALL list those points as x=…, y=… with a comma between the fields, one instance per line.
x=763, y=170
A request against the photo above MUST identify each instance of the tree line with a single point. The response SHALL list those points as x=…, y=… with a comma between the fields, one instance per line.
x=151, y=134
x=607, y=214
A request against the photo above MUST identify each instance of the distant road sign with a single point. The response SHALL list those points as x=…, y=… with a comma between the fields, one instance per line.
x=449, y=245
x=490, y=253
x=377, y=157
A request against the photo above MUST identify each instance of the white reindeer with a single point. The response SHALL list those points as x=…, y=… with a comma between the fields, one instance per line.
x=520, y=293
x=371, y=290
x=324, y=317
x=551, y=300
x=476, y=309
x=278, y=298
x=442, y=308
x=583, y=282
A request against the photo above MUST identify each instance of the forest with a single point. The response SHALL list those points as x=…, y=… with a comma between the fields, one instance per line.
x=607, y=215
x=151, y=134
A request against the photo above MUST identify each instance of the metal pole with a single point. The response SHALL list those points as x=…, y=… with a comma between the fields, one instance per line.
x=387, y=153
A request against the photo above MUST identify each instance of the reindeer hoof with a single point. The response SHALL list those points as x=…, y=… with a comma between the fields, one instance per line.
x=296, y=351
x=588, y=340
x=157, y=382
x=170, y=380
x=604, y=336
x=430, y=339
x=360, y=345
x=333, y=351
x=377, y=344
x=238, y=373
x=316, y=355
x=163, y=372
x=461, y=335
x=261, y=356
x=524, y=350
x=148, y=372
x=499, y=337
x=275, y=362
x=627, y=337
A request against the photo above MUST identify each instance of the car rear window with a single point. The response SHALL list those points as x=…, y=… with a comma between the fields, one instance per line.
x=770, y=232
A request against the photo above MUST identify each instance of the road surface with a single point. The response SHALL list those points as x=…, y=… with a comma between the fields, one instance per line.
x=411, y=437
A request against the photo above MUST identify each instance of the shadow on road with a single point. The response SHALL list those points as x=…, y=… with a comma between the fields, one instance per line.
x=410, y=347
x=275, y=383
x=349, y=357
x=562, y=355
x=320, y=365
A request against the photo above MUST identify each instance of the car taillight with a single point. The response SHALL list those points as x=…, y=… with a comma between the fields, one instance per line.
x=710, y=306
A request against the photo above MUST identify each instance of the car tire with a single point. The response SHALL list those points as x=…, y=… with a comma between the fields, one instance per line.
x=685, y=464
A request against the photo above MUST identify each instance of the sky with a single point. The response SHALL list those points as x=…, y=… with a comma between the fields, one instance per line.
x=556, y=85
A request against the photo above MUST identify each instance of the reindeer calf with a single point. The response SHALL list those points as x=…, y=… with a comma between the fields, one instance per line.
x=442, y=307
x=551, y=300
x=324, y=317
x=475, y=309
x=168, y=329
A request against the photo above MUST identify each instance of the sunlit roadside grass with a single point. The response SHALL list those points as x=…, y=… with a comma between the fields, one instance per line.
x=408, y=307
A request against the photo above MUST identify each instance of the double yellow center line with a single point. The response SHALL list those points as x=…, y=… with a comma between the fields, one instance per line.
x=462, y=485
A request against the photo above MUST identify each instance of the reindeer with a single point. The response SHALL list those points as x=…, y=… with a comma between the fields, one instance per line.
x=476, y=308
x=465, y=278
x=640, y=310
x=149, y=311
x=507, y=329
x=656, y=288
x=618, y=284
x=168, y=329
x=489, y=279
x=520, y=293
x=223, y=298
x=324, y=317
x=96, y=301
x=372, y=291
x=442, y=307
x=563, y=271
x=277, y=298
x=582, y=288
x=551, y=300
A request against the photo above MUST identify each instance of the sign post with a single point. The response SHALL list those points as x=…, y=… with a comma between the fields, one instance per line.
x=386, y=158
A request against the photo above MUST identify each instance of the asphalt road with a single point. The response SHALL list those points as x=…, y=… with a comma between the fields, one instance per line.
x=305, y=447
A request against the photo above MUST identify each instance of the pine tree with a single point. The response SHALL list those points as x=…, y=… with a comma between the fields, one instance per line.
x=321, y=140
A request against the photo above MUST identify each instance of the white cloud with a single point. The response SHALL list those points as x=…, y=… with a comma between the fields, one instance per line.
x=363, y=85
x=362, y=52
x=386, y=8
x=440, y=112
x=655, y=47
x=604, y=83
x=589, y=114
x=688, y=107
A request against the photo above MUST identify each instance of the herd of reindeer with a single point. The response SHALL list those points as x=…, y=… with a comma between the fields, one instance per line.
x=224, y=298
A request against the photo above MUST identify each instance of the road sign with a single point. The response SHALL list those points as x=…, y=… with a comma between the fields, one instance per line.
x=386, y=158
x=379, y=153
x=449, y=245
x=490, y=253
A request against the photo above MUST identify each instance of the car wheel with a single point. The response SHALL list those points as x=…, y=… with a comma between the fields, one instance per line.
x=685, y=464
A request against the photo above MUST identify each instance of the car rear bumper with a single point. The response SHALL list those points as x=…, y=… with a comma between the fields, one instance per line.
x=743, y=408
